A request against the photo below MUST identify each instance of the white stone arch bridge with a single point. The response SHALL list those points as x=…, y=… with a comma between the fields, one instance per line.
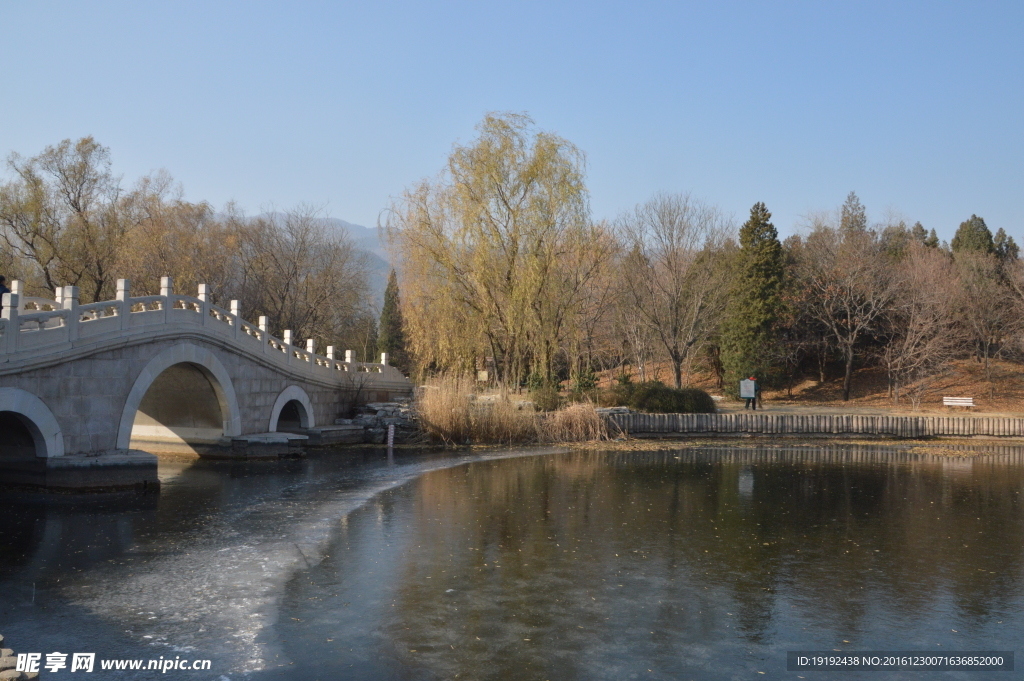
x=80, y=385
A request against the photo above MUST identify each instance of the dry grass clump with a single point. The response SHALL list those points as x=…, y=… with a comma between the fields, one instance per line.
x=452, y=413
x=578, y=422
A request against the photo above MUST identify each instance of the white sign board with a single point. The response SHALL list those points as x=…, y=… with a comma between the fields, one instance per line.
x=747, y=389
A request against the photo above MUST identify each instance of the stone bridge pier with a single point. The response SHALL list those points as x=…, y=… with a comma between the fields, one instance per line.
x=88, y=391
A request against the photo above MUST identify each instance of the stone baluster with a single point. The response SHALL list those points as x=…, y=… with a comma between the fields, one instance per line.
x=264, y=334
x=384, y=358
x=13, y=330
x=58, y=297
x=330, y=352
x=71, y=303
x=350, y=357
x=289, y=352
x=167, y=290
x=236, y=313
x=204, y=307
x=18, y=289
x=124, y=297
x=311, y=346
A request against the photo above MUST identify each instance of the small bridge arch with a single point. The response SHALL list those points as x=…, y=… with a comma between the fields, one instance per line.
x=194, y=356
x=303, y=405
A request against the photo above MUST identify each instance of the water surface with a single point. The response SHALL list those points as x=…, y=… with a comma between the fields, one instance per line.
x=702, y=563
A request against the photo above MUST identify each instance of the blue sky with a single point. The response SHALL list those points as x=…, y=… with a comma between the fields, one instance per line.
x=915, y=106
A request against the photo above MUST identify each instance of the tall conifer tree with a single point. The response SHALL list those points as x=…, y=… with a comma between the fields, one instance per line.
x=391, y=334
x=755, y=302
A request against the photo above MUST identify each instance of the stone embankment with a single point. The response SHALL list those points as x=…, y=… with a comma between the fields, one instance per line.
x=8, y=662
x=817, y=424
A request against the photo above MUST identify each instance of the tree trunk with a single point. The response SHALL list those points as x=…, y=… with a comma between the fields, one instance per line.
x=849, y=375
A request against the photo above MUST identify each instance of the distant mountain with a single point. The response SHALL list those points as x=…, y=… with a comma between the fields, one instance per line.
x=367, y=239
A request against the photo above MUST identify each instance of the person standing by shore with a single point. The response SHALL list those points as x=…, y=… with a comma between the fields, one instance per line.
x=749, y=392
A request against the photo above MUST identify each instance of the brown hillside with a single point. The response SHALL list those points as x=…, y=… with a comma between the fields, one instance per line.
x=964, y=378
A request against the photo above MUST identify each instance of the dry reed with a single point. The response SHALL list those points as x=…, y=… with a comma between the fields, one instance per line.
x=451, y=412
x=578, y=422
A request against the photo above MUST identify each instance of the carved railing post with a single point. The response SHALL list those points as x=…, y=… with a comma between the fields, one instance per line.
x=18, y=289
x=124, y=294
x=166, y=290
x=265, y=335
x=13, y=330
x=236, y=312
x=330, y=352
x=311, y=346
x=58, y=297
x=384, y=358
x=288, y=345
x=350, y=356
x=71, y=303
x=204, y=307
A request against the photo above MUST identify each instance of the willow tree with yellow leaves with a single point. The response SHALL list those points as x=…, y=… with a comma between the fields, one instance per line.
x=497, y=253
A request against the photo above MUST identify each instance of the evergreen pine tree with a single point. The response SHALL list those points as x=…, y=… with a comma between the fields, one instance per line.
x=973, y=235
x=854, y=218
x=755, y=303
x=919, y=233
x=391, y=335
x=933, y=240
x=1005, y=247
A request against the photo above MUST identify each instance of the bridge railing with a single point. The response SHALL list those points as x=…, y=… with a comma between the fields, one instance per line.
x=32, y=325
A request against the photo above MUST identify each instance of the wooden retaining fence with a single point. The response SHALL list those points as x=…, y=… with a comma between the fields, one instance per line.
x=815, y=424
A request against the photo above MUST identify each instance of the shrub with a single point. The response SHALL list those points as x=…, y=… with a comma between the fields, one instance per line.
x=656, y=397
x=585, y=381
x=546, y=398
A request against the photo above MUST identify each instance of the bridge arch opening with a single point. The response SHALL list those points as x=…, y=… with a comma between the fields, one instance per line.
x=184, y=395
x=292, y=412
x=180, y=406
x=28, y=428
x=19, y=437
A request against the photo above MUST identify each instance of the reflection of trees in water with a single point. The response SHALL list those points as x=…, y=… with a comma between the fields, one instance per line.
x=541, y=545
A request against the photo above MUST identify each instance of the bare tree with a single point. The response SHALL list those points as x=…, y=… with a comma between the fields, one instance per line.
x=673, y=272
x=66, y=212
x=848, y=285
x=984, y=304
x=300, y=273
x=922, y=331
